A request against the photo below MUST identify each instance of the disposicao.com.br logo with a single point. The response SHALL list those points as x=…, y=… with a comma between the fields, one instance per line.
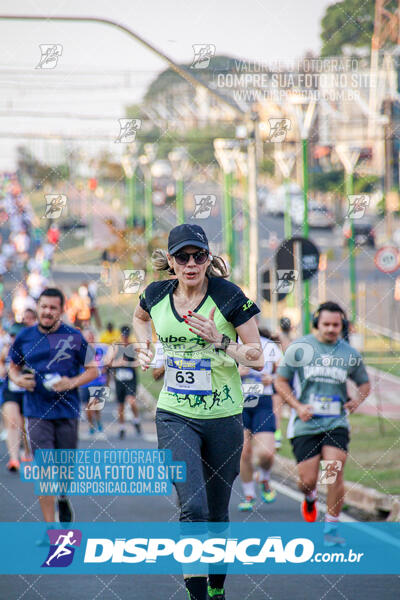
x=190, y=550
x=167, y=548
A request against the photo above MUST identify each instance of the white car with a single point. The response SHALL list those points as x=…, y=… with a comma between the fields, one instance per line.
x=275, y=203
x=318, y=214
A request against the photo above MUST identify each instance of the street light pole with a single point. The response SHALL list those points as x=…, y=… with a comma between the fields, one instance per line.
x=349, y=157
x=304, y=118
x=224, y=150
x=180, y=163
x=286, y=161
x=306, y=283
x=241, y=160
x=129, y=164
x=254, y=288
x=352, y=255
x=148, y=199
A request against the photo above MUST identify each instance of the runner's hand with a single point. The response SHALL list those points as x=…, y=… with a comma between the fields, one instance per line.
x=144, y=354
x=203, y=327
x=352, y=404
x=27, y=381
x=64, y=385
x=305, y=412
x=267, y=379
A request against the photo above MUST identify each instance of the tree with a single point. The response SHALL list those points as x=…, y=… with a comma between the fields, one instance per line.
x=39, y=172
x=347, y=23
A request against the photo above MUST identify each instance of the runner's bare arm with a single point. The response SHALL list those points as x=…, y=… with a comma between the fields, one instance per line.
x=286, y=393
x=142, y=328
x=363, y=391
x=250, y=353
x=69, y=383
x=158, y=373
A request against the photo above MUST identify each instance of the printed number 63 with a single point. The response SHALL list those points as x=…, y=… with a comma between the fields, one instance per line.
x=181, y=379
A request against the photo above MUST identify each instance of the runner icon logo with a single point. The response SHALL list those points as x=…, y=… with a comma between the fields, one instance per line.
x=202, y=55
x=278, y=129
x=251, y=394
x=98, y=395
x=54, y=205
x=62, y=345
x=50, y=54
x=132, y=281
x=62, y=547
x=203, y=205
x=128, y=130
x=330, y=469
x=358, y=204
x=286, y=280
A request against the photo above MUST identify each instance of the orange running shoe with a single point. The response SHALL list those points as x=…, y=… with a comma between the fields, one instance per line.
x=13, y=465
x=309, y=510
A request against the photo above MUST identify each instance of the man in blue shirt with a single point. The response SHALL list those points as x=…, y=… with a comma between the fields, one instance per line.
x=46, y=361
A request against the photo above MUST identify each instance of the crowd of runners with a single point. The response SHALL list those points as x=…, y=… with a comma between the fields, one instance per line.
x=225, y=379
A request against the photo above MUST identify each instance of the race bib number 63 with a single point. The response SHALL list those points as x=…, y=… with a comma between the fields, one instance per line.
x=188, y=375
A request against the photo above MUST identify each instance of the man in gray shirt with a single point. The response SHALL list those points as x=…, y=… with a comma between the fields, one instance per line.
x=322, y=362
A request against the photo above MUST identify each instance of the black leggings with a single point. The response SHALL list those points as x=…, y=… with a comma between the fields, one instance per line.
x=211, y=449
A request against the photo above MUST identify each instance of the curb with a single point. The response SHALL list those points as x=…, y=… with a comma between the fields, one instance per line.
x=356, y=495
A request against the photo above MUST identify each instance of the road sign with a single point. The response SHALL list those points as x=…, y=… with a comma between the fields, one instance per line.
x=387, y=259
x=309, y=256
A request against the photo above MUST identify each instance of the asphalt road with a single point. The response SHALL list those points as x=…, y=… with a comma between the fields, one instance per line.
x=18, y=504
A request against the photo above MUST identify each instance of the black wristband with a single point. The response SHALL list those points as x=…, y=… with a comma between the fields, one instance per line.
x=224, y=343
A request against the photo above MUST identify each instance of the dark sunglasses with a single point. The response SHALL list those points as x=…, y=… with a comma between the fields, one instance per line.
x=200, y=257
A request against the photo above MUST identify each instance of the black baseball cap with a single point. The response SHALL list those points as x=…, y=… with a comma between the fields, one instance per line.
x=186, y=235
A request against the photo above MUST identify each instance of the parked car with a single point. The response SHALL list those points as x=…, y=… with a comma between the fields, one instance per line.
x=318, y=215
x=276, y=200
x=364, y=233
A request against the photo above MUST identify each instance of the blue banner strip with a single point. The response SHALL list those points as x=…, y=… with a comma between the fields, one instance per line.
x=173, y=548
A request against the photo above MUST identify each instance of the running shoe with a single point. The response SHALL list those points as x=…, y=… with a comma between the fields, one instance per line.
x=309, y=510
x=268, y=495
x=138, y=428
x=65, y=510
x=215, y=594
x=13, y=466
x=121, y=434
x=92, y=430
x=99, y=426
x=247, y=505
x=278, y=439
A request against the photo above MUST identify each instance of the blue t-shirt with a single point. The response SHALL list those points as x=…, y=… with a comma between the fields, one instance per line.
x=62, y=352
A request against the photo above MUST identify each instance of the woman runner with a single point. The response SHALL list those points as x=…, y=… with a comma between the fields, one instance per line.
x=198, y=317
